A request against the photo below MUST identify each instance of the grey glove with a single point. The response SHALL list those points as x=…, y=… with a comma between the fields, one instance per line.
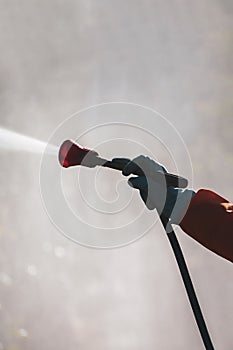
x=169, y=201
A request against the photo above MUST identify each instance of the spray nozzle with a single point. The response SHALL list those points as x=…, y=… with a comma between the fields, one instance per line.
x=71, y=154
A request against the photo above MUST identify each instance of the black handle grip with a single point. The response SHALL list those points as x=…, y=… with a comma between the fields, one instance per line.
x=171, y=179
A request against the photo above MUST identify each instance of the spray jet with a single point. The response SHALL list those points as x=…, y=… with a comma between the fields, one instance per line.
x=72, y=154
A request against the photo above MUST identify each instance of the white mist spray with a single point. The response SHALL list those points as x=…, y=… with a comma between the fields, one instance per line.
x=13, y=141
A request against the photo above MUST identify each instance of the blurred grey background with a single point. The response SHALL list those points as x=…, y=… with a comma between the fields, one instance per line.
x=56, y=58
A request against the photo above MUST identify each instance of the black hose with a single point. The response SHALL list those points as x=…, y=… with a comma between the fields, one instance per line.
x=188, y=283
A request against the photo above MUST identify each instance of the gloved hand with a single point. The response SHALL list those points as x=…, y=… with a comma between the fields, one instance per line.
x=169, y=201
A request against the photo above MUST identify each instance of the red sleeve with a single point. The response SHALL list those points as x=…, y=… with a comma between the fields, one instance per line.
x=209, y=220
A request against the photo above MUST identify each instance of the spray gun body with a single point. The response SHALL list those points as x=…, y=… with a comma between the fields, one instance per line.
x=71, y=154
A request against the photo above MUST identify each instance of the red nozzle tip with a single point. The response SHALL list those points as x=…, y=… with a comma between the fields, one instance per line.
x=63, y=153
x=71, y=154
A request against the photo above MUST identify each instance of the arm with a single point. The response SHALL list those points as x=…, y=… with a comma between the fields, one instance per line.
x=209, y=220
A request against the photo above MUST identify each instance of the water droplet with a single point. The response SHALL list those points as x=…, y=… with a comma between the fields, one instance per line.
x=32, y=270
x=23, y=333
x=59, y=252
x=5, y=279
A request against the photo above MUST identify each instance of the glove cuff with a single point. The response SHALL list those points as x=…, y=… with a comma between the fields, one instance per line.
x=177, y=204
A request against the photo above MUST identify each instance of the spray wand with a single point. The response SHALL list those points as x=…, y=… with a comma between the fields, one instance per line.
x=71, y=154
